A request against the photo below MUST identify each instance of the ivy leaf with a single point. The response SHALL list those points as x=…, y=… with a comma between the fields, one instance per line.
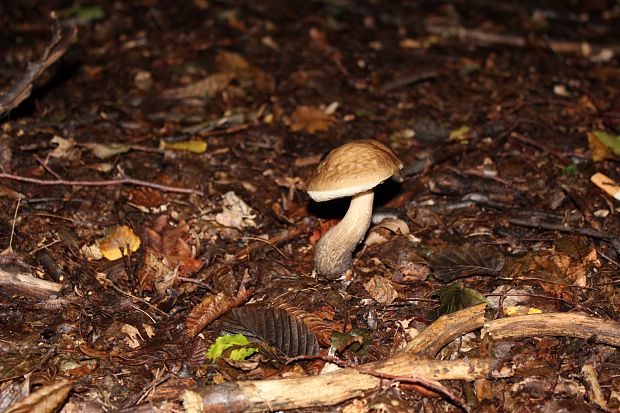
x=223, y=343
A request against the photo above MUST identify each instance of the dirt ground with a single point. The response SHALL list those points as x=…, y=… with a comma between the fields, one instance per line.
x=154, y=158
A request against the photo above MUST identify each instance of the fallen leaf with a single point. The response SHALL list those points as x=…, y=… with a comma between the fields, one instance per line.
x=381, y=290
x=451, y=263
x=107, y=150
x=383, y=231
x=213, y=307
x=608, y=139
x=118, y=242
x=167, y=256
x=240, y=343
x=236, y=213
x=310, y=119
x=66, y=149
x=600, y=151
x=460, y=134
x=455, y=297
x=48, y=398
x=231, y=62
x=206, y=87
x=274, y=326
x=192, y=145
x=357, y=340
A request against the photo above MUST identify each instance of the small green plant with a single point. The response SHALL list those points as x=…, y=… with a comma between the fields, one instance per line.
x=223, y=343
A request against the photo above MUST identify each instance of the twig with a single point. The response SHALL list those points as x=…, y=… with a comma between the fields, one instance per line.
x=614, y=240
x=432, y=385
x=524, y=139
x=110, y=182
x=20, y=91
x=482, y=37
x=10, y=247
x=285, y=236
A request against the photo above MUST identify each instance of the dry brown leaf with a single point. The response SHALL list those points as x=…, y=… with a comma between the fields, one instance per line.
x=599, y=150
x=167, y=256
x=47, y=399
x=213, y=307
x=321, y=329
x=231, y=62
x=310, y=119
x=207, y=87
x=386, y=229
x=381, y=290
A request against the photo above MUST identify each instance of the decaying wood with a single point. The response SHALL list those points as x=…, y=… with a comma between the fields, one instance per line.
x=445, y=329
x=327, y=389
x=23, y=283
x=555, y=324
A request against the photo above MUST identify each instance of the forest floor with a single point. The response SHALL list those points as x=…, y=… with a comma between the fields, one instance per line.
x=154, y=157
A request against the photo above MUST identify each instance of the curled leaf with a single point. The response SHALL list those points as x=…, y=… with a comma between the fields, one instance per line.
x=456, y=297
x=118, y=242
x=242, y=351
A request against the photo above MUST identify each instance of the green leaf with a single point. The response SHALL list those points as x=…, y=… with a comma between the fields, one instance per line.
x=357, y=340
x=87, y=13
x=610, y=140
x=223, y=343
x=455, y=297
x=570, y=170
x=459, y=134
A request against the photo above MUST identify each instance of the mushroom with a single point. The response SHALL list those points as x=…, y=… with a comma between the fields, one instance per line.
x=352, y=169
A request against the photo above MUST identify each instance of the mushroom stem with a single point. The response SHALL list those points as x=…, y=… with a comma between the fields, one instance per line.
x=332, y=256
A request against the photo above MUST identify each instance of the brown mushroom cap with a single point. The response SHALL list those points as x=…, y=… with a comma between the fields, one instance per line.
x=352, y=168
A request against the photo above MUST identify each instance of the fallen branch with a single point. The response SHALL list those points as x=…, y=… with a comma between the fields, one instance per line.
x=23, y=283
x=555, y=324
x=592, y=233
x=110, y=182
x=327, y=389
x=20, y=91
x=482, y=37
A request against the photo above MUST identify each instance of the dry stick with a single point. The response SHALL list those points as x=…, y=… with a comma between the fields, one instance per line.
x=23, y=283
x=489, y=38
x=110, y=182
x=555, y=324
x=22, y=88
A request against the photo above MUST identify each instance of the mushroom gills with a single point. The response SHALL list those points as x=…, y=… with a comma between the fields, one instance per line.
x=335, y=248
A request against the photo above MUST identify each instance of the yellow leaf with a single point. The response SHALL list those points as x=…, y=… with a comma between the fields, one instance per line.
x=600, y=150
x=192, y=145
x=534, y=310
x=459, y=134
x=118, y=242
x=310, y=119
